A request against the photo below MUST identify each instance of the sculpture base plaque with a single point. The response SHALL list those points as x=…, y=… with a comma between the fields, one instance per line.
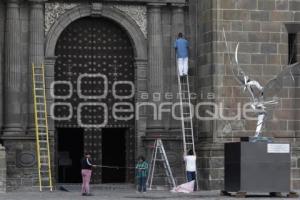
x=257, y=167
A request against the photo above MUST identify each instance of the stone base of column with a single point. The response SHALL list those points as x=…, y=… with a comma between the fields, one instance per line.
x=22, y=173
x=20, y=158
x=174, y=150
x=210, y=164
x=3, y=169
x=13, y=129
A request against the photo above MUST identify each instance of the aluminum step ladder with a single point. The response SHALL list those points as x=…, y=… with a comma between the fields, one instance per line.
x=41, y=128
x=159, y=154
x=186, y=117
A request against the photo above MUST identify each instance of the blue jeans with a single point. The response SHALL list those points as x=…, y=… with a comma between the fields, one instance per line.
x=142, y=184
x=190, y=177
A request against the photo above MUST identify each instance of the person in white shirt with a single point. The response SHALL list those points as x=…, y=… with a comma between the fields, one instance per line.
x=190, y=165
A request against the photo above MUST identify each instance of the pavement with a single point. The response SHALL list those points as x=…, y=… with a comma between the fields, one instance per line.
x=108, y=193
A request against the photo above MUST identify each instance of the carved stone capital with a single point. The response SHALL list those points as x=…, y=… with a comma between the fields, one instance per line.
x=36, y=4
x=12, y=3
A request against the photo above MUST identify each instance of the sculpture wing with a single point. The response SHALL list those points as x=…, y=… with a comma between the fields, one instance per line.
x=284, y=78
x=238, y=73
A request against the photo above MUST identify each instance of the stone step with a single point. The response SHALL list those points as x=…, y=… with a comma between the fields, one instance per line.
x=77, y=187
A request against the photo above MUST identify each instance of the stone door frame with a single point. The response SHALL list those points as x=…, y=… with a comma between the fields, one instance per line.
x=139, y=44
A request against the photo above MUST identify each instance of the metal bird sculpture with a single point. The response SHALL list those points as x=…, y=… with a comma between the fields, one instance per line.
x=263, y=99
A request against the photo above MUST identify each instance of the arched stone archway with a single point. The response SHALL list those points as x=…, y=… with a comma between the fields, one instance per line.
x=137, y=38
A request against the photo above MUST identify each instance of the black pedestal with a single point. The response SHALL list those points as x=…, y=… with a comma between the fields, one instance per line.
x=258, y=167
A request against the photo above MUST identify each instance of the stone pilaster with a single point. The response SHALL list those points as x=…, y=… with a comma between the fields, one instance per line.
x=2, y=27
x=36, y=50
x=12, y=86
x=141, y=87
x=49, y=76
x=155, y=60
x=177, y=26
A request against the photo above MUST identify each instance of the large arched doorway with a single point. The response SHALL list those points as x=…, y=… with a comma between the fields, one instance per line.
x=94, y=84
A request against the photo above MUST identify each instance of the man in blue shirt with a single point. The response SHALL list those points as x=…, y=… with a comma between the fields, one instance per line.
x=182, y=50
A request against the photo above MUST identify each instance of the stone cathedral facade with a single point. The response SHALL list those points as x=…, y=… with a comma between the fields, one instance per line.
x=128, y=42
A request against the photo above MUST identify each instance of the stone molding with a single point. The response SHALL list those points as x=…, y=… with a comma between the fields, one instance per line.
x=138, y=13
x=53, y=11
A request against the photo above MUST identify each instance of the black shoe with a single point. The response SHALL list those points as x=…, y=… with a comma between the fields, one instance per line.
x=83, y=194
x=89, y=194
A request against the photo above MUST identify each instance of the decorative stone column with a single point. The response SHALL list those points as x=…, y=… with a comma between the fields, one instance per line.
x=141, y=87
x=155, y=60
x=2, y=27
x=177, y=23
x=36, y=50
x=176, y=27
x=12, y=85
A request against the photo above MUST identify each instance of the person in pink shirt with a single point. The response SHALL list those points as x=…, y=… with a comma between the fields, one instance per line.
x=86, y=172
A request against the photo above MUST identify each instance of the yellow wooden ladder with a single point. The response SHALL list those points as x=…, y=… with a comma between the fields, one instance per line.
x=41, y=128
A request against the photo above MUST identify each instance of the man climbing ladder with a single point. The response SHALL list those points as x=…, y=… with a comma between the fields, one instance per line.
x=182, y=50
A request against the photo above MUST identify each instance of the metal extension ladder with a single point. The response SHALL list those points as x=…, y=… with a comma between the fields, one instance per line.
x=159, y=148
x=186, y=117
x=41, y=128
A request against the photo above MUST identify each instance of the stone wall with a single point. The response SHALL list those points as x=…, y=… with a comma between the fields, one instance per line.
x=260, y=28
x=209, y=152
